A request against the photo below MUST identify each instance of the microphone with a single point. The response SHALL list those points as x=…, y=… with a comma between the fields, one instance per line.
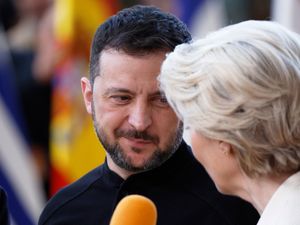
x=134, y=210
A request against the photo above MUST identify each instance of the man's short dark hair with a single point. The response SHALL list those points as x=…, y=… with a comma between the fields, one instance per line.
x=137, y=30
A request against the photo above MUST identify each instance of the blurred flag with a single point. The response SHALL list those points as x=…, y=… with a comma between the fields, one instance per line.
x=74, y=147
x=286, y=12
x=202, y=16
x=18, y=174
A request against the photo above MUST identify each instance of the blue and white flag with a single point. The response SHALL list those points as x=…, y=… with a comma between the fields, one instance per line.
x=286, y=12
x=202, y=16
x=18, y=174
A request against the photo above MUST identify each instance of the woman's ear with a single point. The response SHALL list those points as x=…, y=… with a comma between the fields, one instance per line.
x=225, y=148
x=87, y=93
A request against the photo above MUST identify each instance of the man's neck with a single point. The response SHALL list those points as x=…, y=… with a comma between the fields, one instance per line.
x=118, y=170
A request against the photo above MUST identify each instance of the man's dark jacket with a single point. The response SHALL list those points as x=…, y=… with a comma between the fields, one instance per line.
x=181, y=190
x=4, y=220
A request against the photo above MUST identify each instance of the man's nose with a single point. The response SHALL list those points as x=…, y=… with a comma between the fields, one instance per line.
x=140, y=116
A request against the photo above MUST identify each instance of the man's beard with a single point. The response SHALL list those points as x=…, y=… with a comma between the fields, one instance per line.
x=119, y=157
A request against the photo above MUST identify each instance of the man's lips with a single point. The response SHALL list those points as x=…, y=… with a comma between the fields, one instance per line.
x=137, y=142
x=137, y=137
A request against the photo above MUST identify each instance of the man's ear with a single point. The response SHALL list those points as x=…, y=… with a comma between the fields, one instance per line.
x=87, y=93
x=225, y=148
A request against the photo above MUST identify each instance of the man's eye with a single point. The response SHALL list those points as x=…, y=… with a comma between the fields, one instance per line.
x=161, y=101
x=120, y=98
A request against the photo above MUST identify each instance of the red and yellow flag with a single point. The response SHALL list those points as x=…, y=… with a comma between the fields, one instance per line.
x=74, y=147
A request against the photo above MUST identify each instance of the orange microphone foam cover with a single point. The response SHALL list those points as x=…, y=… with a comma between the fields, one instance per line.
x=134, y=210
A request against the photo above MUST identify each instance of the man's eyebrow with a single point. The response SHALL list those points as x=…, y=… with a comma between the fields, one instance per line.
x=161, y=93
x=158, y=94
x=117, y=90
x=126, y=91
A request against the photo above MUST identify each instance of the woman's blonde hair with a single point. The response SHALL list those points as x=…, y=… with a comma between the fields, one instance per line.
x=241, y=84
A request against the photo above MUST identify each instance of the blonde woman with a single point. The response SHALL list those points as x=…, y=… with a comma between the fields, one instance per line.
x=238, y=91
